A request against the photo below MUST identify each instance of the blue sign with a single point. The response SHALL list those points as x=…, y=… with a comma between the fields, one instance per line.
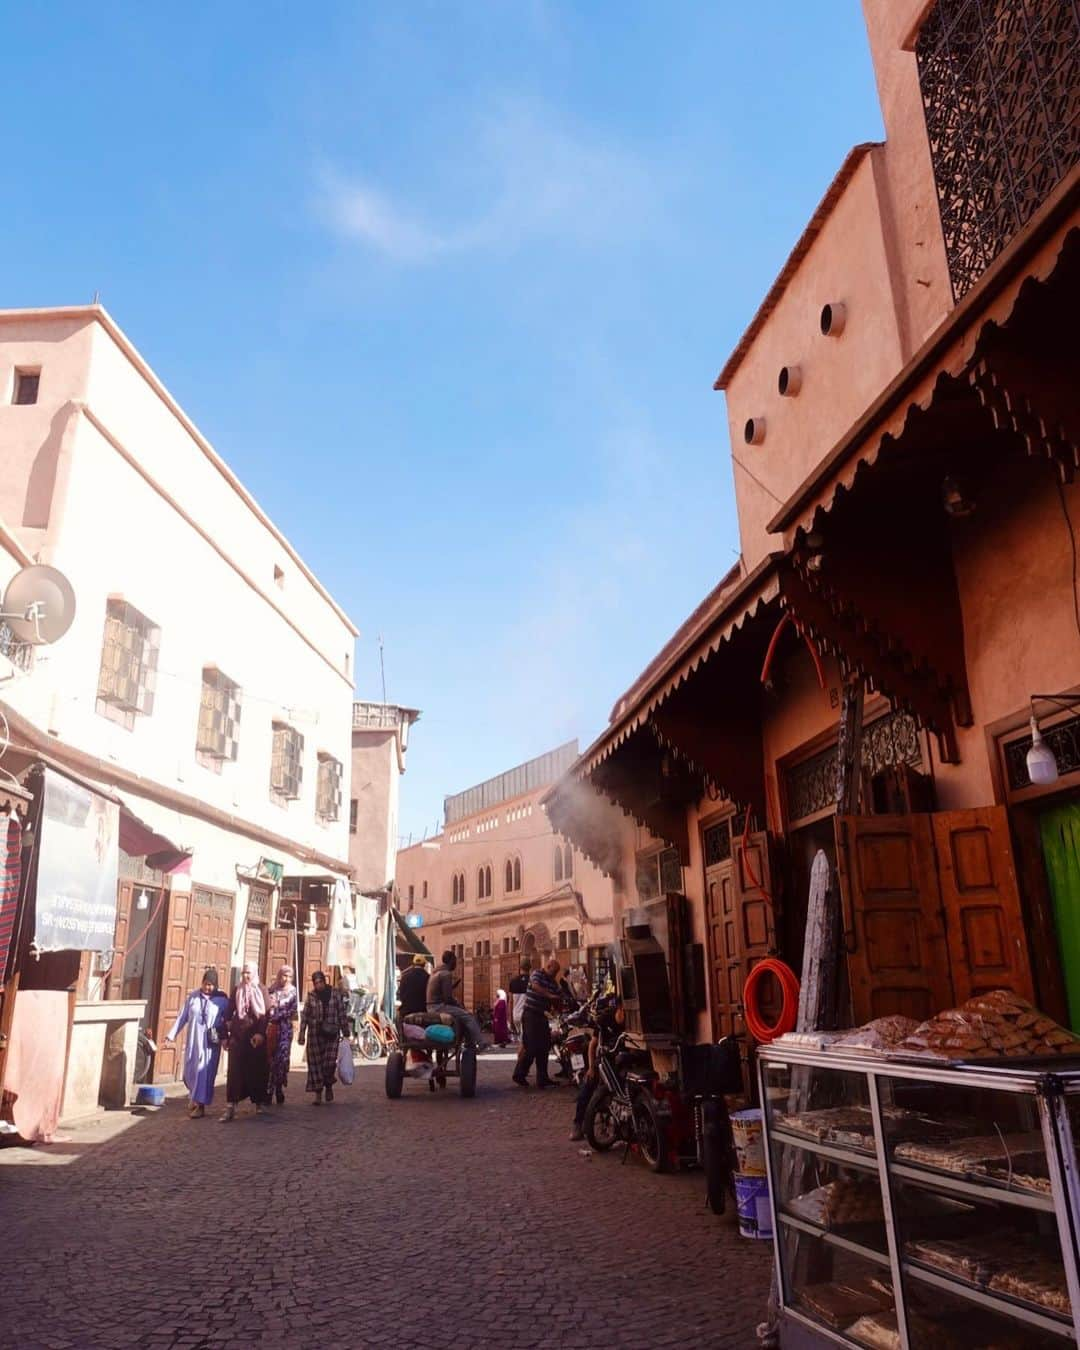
x=414, y=921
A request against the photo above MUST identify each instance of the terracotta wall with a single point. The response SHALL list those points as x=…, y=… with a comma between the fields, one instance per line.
x=1013, y=562
x=847, y=262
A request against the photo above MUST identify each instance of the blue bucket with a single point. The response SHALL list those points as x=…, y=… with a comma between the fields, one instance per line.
x=148, y=1095
x=752, y=1202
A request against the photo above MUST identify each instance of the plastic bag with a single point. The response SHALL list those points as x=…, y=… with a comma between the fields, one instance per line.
x=346, y=1070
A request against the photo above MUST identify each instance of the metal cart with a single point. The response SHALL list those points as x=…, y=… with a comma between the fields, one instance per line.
x=445, y=1059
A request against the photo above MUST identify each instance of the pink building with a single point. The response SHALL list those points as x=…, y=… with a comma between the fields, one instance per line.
x=499, y=884
x=380, y=742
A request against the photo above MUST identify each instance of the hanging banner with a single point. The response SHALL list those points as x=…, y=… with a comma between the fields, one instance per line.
x=341, y=944
x=78, y=860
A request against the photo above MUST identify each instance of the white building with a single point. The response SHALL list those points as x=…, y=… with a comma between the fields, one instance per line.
x=207, y=678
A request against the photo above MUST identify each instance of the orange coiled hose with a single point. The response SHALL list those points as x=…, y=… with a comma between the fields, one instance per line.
x=789, y=1009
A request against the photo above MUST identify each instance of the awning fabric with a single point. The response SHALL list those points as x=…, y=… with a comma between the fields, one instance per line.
x=140, y=840
x=407, y=941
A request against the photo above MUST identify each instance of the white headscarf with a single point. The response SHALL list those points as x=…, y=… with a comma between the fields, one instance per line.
x=250, y=998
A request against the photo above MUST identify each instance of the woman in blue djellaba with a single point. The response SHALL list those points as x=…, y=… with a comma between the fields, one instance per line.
x=203, y=1014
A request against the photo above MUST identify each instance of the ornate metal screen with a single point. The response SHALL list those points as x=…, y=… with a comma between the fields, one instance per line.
x=1063, y=739
x=887, y=741
x=1000, y=84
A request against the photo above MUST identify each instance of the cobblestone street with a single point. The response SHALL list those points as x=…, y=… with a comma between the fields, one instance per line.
x=429, y=1221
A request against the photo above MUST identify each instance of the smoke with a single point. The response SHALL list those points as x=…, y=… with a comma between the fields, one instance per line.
x=589, y=821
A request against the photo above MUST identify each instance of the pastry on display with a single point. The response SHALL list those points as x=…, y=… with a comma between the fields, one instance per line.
x=840, y=1202
x=880, y=1331
x=883, y=1033
x=996, y=1025
x=1022, y=1152
x=1038, y=1279
x=841, y=1303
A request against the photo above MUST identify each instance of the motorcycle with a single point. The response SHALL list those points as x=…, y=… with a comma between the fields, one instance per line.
x=625, y=1108
x=570, y=1036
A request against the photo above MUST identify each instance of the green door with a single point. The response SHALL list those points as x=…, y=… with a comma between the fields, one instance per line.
x=1060, y=828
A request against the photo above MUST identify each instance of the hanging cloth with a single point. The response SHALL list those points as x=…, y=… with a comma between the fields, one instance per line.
x=1060, y=829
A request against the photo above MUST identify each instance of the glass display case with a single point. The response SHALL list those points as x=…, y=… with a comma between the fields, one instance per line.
x=922, y=1204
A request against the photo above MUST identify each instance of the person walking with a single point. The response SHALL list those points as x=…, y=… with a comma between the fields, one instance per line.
x=247, y=1074
x=281, y=1012
x=440, y=999
x=203, y=1014
x=519, y=986
x=500, y=1026
x=543, y=996
x=322, y=1024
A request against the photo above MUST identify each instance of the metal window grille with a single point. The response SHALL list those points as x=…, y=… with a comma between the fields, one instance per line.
x=886, y=742
x=1000, y=83
x=1063, y=738
x=219, y=716
x=286, y=762
x=717, y=843
x=129, y=657
x=328, y=790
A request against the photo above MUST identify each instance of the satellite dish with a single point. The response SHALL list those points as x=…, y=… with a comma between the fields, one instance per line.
x=39, y=605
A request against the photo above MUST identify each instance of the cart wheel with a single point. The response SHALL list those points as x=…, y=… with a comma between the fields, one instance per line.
x=395, y=1074
x=468, y=1073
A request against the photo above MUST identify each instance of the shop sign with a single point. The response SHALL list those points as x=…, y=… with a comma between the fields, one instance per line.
x=414, y=920
x=78, y=862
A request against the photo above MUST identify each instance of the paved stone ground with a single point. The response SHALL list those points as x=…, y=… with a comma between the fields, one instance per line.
x=301, y=1229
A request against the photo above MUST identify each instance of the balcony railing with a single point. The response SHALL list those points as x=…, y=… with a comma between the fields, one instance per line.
x=1000, y=83
x=377, y=716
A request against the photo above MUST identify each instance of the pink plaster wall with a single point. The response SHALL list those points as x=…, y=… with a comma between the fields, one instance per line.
x=31, y=435
x=912, y=223
x=846, y=262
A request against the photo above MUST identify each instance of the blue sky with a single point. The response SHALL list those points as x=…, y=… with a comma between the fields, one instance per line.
x=447, y=282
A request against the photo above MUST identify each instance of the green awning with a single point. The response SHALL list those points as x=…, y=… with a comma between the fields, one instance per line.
x=407, y=941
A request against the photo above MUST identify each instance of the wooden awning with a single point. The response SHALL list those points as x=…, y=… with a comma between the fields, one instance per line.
x=1029, y=289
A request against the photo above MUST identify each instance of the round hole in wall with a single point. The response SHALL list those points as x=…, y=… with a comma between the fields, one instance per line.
x=789, y=381
x=754, y=431
x=833, y=318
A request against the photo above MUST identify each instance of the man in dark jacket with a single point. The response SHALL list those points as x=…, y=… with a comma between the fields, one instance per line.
x=412, y=987
x=440, y=999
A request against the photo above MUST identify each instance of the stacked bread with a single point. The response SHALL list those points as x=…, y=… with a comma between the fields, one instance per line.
x=989, y=1026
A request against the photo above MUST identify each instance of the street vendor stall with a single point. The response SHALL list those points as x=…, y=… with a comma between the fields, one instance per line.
x=925, y=1194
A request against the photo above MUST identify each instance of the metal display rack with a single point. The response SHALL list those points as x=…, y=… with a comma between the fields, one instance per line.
x=876, y=1082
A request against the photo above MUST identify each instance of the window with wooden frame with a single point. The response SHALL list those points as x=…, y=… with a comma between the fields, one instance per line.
x=517, y=874
x=129, y=659
x=26, y=387
x=483, y=882
x=568, y=861
x=657, y=873
x=354, y=807
x=509, y=876
x=328, y=788
x=286, y=763
x=217, y=737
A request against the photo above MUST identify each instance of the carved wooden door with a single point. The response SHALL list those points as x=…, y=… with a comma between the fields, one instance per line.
x=898, y=956
x=280, y=948
x=724, y=951
x=114, y=985
x=314, y=958
x=983, y=921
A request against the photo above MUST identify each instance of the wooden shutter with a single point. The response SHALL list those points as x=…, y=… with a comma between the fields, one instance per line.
x=174, y=986
x=281, y=951
x=983, y=921
x=115, y=982
x=314, y=949
x=898, y=957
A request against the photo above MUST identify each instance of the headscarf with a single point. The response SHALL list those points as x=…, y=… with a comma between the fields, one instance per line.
x=281, y=986
x=250, y=998
x=209, y=976
x=323, y=993
x=500, y=994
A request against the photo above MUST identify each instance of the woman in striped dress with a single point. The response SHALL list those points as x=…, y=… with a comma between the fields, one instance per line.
x=281, y=1013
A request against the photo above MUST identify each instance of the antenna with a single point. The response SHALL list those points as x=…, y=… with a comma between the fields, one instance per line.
x=38, y=605
x=382, y=668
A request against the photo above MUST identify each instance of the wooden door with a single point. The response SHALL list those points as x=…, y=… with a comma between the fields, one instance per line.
x=983, y=922
x=725, y=951
x=314, y=949
x=280, y=947
x=210, y=937
x=124, y=901
x=898, y=956
x=757, y=923
x=174, y=983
